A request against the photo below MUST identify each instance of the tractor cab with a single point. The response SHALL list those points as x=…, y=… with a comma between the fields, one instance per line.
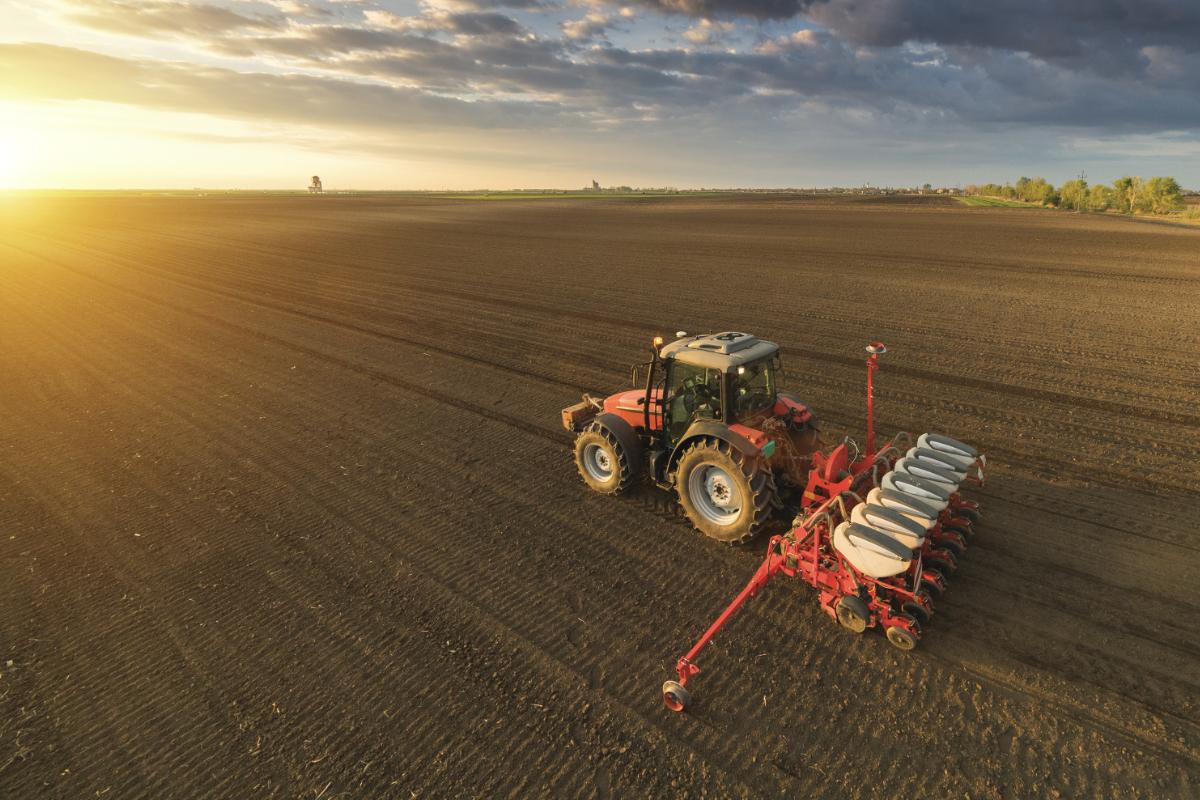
x=708, y=421
x=725, y=377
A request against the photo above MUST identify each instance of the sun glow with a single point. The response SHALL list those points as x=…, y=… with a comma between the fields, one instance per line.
x=14, y=152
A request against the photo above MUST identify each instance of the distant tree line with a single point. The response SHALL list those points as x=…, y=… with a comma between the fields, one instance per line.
x=1128, y=195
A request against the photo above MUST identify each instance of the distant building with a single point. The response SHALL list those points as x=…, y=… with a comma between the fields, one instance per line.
x=595, y=186
x=315, y=186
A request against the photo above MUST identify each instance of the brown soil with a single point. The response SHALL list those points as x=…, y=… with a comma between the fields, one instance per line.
x=286, y=510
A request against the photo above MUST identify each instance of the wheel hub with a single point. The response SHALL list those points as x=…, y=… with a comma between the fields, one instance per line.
x=717, y=486
x=598, y=462
x=714, y=495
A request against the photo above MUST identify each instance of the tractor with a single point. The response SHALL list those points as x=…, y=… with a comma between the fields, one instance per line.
x=709, y=421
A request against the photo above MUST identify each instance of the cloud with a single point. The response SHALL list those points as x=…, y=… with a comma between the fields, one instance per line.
x=757, y=9
x=469, y=23
x=156, y=17
x=61, y=73
x=1106, y=37
x=708, y=32
x=463, y=65
x=491, y=5
x=801, y=38
x=589, y=28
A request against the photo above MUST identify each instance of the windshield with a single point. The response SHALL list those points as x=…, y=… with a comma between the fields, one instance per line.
x=754, y=386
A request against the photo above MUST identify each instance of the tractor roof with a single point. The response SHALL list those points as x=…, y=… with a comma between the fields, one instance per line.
x=723, y=351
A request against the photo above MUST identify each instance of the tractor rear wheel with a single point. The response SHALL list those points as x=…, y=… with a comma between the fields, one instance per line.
x=602, y=462
x=726, y=495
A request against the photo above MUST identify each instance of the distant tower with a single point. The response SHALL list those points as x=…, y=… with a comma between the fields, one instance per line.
x=315, y=186
x=595, y=185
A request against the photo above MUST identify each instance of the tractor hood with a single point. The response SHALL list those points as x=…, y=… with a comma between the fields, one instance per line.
x=629, y=405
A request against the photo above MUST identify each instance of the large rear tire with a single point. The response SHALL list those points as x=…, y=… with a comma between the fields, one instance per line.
x=726, y=495
x=602, y=462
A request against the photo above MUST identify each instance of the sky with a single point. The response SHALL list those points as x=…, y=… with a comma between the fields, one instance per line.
x=468, y=94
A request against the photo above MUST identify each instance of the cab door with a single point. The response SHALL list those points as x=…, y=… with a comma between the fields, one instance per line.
x=692, y=393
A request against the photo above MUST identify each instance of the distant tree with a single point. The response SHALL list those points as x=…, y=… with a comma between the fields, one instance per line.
x=1159, y=196
x=1008, y=192
x=927, y=187
x=970, y=188
x=1125, y=193
x=1074, y=195
x=1037, y=190
x=1099, y=198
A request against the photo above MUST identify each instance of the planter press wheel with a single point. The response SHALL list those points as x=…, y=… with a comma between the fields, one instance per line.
x=916, y=611
x=944, y=560
x=902, y=639
x=970, y=514
x=852, y=614
x=954, y=549
x=675, y=697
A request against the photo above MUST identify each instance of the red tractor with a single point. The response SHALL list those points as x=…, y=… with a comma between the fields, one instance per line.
x=709, y=421
x=877, y=533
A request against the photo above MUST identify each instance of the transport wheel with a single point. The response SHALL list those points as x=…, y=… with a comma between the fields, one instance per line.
x=852, y=614
x=931, y=589
x=727, y=496
x=901, y=638
x=675, y=697
x=602, y=462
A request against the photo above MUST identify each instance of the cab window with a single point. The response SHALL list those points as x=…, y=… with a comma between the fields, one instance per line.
x=695, y=393
x=754, y=387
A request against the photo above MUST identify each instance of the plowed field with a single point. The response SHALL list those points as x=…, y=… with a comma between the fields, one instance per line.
x=286, y=509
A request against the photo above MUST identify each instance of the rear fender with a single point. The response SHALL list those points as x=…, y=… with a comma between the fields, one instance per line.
x=710, y=429
x=631, y=443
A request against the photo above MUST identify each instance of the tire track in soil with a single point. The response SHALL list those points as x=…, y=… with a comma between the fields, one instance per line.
x=957, y=381
x=1108, y=477
x=422, y=390
x=478, y=609
x=746, y=721
x=1012, y=456
x=443, y=399
x=493, y=300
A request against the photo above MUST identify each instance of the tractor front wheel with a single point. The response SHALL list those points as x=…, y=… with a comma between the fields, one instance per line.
x=603, y=463
x=726, y=495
